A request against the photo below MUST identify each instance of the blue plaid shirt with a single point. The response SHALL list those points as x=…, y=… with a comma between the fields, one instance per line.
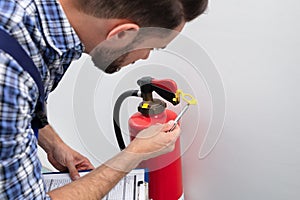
x=43, y=30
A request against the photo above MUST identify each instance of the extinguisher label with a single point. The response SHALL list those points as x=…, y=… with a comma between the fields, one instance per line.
x=182, y=197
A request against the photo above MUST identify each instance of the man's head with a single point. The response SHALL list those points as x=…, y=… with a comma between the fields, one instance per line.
x=121, y=26
x=167, y=14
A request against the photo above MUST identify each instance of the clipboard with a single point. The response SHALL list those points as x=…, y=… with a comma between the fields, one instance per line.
x=134, y=186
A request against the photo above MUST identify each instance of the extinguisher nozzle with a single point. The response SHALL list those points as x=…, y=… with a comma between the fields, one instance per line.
x=116, y=119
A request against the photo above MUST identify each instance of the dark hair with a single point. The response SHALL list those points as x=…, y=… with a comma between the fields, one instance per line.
x=146, y=13
x=193, y=8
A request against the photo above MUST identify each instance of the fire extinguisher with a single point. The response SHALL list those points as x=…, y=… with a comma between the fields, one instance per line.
x=165, y=172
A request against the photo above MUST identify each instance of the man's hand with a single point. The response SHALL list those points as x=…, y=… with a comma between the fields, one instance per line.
x=64, y=158
x=60, y=155
x=154, y=141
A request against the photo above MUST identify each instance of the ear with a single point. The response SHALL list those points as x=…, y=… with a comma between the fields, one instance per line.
x=119, y=31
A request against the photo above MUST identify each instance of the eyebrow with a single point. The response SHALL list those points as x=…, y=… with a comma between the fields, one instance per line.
x=160, y=48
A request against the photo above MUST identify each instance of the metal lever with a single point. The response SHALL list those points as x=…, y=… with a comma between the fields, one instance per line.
x=179, y=116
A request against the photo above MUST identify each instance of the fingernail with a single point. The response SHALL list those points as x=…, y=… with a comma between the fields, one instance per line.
x=171, y=122
x=76, y=177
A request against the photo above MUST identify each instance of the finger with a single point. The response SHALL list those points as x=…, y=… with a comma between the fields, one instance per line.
x=175, y=132
x=73, y=171
x=168, y=126
x=150, y=131
x=156, y=127
x=85, y=165
x=90, y=165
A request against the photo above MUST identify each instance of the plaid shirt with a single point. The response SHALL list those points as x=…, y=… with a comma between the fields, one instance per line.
x=43, y=30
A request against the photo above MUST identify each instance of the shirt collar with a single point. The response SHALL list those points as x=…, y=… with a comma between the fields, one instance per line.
x=57, y=29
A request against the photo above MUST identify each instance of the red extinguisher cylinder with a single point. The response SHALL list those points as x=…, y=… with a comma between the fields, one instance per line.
x=165, y=172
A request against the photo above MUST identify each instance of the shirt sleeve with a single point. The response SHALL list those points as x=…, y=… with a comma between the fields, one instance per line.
x=20, y=168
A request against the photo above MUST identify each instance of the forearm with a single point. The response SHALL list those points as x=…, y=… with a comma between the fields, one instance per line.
x=100, y=181
x=48, y=138
x=149, y=143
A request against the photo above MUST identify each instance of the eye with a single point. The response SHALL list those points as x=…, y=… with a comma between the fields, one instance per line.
x=159, y=48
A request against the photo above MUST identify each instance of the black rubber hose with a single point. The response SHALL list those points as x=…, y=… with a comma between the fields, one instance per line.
x=116, y=116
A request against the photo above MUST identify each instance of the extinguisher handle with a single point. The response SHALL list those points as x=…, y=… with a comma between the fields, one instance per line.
x=167, y=84
x=167, y=95
x=166, y=88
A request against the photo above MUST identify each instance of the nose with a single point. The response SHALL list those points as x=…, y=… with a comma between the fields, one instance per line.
x=146, y=56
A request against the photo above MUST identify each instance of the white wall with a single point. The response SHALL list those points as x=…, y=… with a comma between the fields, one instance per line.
x=255, y=46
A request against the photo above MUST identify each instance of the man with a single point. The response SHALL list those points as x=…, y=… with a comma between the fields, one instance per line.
x=54, y=33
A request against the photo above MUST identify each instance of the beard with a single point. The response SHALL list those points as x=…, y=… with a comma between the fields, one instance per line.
x=107, y=60
x=110, y=60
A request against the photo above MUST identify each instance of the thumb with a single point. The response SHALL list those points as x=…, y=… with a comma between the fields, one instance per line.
x=73, y=171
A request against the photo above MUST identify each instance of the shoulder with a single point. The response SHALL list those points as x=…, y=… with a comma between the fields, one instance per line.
x=11, y=13
x=15, y=13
